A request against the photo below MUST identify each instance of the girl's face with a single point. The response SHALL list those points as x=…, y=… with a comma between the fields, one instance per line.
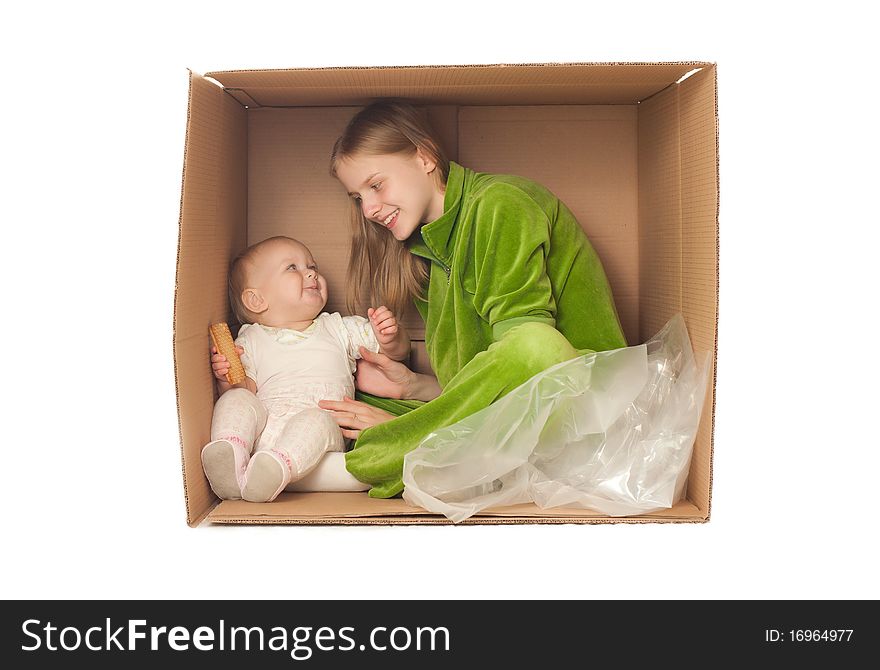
x=396, y=191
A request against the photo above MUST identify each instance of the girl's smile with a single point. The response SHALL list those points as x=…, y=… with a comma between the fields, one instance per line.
x=391, y=219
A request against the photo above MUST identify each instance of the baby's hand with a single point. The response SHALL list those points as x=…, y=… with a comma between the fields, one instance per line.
x=220, y=364
x=384, y=324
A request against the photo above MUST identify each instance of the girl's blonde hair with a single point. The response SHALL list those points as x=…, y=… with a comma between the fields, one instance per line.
x=379, y=265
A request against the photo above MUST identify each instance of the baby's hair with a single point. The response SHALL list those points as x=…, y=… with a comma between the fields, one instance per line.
x=239, y=276
x=393, y=275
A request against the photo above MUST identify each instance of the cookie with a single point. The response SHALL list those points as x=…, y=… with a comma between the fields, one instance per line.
x=225, y=345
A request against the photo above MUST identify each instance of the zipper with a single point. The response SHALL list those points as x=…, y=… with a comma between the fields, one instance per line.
x=443, y=265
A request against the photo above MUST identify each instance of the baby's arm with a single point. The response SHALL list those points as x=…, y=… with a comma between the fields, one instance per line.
x=392, y=336
x=220, y=365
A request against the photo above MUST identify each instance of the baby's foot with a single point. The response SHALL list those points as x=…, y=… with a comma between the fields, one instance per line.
x=225, y=462
x=267, y=475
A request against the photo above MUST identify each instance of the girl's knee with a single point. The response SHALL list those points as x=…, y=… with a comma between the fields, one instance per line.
x=535, y=347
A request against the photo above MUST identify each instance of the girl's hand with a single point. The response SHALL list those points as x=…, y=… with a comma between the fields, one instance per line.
x=384, y=324
x=382, y=376
x=353, y=416
x=220, y=365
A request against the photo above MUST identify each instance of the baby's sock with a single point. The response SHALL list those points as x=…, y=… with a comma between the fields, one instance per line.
x=267, y=474
x=239, y=417
x=225, y=461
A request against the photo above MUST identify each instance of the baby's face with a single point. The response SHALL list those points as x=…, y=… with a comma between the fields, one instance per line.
x=289, y=279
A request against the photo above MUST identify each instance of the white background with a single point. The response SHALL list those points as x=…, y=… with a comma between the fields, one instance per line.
x=94, y=109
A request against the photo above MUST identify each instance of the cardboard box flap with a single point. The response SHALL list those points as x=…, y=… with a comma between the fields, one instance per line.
x=678, y=233
x=530, y=84
x=699, y=252
x=347, y=508
x=213, y=216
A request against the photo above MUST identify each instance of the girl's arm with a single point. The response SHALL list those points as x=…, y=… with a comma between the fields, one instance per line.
x=423, y=387
x=511, y=239
x=382, y=376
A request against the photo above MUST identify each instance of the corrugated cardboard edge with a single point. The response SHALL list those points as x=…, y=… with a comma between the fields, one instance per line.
x=264, y=93
x=203, y=150
x=717, y=288
x=214, y=73
x=706, y=70
x=357, y=509
x=442, y=521
x=713, y=69
x=189, y=519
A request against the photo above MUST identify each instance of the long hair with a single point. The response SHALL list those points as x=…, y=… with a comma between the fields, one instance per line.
x=379, y=265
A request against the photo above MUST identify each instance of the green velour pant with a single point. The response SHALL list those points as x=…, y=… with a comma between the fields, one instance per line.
x=523, y=352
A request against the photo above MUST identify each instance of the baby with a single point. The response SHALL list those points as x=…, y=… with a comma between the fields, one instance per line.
x=294, y=355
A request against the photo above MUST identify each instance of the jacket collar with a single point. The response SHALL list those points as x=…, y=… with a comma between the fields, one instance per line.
x=437, y=237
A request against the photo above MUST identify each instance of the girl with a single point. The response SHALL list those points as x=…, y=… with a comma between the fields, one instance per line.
x=498, y=267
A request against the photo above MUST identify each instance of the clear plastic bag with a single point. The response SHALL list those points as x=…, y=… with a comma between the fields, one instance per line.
x=611, y=432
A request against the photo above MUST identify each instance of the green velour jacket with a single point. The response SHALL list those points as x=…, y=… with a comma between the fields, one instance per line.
x=504, y=252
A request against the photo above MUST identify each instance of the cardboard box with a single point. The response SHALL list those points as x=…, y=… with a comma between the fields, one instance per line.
x=631, y=148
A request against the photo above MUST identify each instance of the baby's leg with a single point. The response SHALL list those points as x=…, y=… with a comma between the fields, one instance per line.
x=306, y=437
x=329, y=475
x=239, y=418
